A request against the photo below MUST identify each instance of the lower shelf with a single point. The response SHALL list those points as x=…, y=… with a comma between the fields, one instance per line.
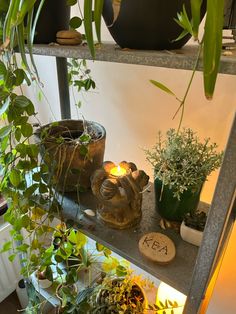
x=125, y=242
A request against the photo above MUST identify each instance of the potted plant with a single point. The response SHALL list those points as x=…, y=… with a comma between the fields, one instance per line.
x=74, y=150
x=181, y=165
x=120, y=295
x=192, y=227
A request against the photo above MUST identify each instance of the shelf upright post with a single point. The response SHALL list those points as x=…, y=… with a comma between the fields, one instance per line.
x=219, y=224
x=63, y=87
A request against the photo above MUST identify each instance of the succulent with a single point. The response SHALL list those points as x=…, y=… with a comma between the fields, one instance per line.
x=196, y=220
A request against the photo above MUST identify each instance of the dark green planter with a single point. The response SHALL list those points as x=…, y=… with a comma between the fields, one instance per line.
x=170, y=207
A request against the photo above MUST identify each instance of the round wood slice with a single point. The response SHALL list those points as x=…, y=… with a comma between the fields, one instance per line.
x=157, y=247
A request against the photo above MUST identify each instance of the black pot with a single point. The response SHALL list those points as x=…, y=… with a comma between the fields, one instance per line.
x=147, y=24
x=54, y=17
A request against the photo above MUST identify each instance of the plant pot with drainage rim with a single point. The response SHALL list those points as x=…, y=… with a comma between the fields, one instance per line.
x=73, y=150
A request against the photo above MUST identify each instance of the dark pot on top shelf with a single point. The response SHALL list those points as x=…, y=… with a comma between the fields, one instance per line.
x=142, y=24
x=172, y=208
x=54, y=17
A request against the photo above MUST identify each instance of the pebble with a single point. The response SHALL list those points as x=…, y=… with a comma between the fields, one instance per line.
x=89, y=212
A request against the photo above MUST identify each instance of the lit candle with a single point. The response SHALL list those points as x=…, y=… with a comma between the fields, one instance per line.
x=118, y=171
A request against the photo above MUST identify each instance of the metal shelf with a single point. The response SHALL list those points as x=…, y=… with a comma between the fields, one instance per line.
x=177, y=59
x=125, y=242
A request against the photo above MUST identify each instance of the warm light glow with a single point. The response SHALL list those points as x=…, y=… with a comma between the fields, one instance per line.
x=166, y=292
x=118, y=171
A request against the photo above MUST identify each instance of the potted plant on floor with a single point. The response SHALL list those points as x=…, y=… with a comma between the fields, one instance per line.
x=181, y=165
x=192, y=227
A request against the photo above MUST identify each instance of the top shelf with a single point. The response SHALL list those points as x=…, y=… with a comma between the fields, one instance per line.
x=176, y=59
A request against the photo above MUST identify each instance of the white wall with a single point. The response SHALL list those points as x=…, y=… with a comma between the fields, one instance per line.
x=132, y=111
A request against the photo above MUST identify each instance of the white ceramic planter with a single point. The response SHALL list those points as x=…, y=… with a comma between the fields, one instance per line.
x=191, y=235
x=43, y=283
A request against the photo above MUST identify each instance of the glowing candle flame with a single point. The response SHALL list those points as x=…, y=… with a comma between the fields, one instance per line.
x=118, y=171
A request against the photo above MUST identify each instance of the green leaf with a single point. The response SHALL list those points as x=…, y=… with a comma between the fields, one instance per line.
x=18, y=134
x=121, y=271
x=15, y=177
x=3, y=69
x=21, y=101
x=83, y=150
x=163, y=87
x=85, y=138
x=71, y=2
x=3, y=95
x=77, y=238
x=12, y=257
x=6, y=247
x=49, y=274
x=27, y=130
x=212, y=44
x=4, y=107
x=5, y=131
x=22, y=248
x=88, y=27
x=196, y=16
x=75, y=22
x=98, y=7
x=20, y=76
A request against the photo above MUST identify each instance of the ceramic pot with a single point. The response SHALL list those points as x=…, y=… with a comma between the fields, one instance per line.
x=142, y=24
x=102, y=294
x=54, y=17
x=169, y=207
x=191, y=235
x=70, y=167
x=43, y=283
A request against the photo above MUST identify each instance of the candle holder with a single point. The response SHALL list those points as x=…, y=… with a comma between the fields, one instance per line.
x=119, y=191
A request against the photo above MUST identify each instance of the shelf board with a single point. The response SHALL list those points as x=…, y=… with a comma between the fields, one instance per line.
x=177, y=59
x=125, y=242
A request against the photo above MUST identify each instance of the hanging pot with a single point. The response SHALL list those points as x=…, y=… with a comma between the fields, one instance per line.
x=67, y=159
x=142, y=24
x=172, y=208
x=54, y=17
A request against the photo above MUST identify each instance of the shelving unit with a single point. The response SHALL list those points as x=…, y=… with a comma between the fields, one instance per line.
x=192, y=269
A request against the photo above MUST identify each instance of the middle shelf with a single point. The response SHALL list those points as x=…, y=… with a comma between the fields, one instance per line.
x=125, y=242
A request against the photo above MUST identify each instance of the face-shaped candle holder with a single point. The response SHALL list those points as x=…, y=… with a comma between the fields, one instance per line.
x=119, y=191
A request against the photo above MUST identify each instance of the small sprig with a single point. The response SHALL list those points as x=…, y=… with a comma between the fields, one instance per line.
x=161, y=308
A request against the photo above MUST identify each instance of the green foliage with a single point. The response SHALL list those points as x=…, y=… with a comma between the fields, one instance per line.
x=212, y=38
x=182, y=162
x=79, y=76
x=167, y=307
x=119, y=295
x=196, y=220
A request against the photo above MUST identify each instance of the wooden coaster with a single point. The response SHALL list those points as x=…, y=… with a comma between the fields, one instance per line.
x=157, y=247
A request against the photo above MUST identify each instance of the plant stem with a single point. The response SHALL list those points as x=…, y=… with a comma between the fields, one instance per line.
x=182, y=104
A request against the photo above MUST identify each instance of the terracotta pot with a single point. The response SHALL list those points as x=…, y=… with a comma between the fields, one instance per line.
x=143, y=24
x=70, y=167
